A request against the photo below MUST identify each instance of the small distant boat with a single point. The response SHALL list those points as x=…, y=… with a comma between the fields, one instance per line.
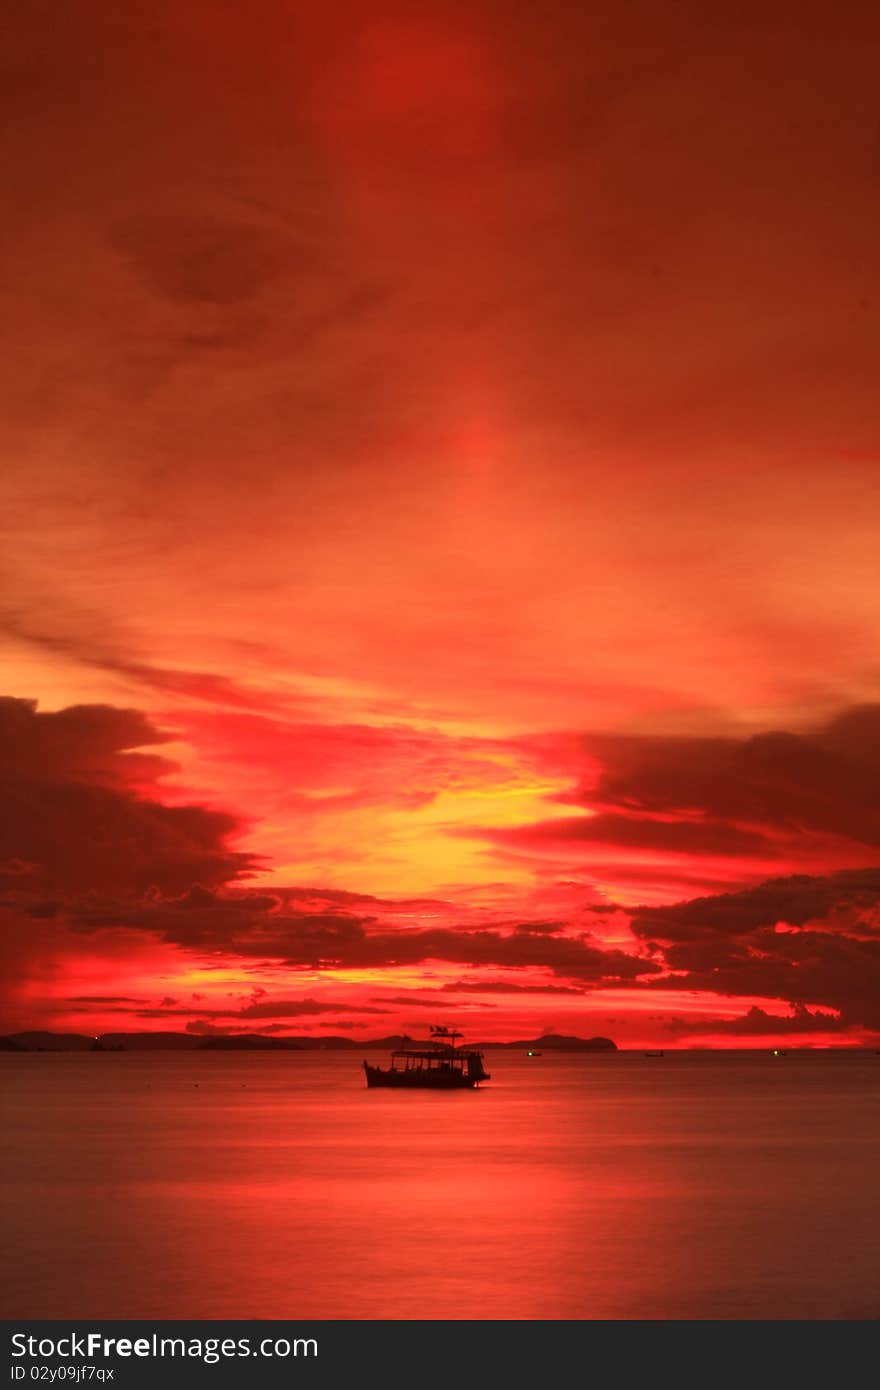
x=779, y=1052
x=438, y=1066
x=534, y=1054
x=658, y=1052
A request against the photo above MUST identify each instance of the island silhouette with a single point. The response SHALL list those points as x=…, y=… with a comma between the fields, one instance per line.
x=36, y=1041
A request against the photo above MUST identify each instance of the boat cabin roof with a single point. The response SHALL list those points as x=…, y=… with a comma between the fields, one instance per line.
x=445, y=1054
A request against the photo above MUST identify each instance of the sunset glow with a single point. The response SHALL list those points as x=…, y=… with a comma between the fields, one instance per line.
x=440, y=511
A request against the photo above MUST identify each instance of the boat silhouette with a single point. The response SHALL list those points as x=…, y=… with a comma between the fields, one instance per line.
x=438, y=1065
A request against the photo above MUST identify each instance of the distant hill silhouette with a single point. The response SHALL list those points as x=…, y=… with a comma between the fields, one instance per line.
x=245, y=1042
x=557, y=1042
x=153, y=1042
x=107, y=1042
x=50, y=1042
x=262, y=1042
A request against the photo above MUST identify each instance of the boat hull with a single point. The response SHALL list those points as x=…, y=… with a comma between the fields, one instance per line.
x=422, y=1080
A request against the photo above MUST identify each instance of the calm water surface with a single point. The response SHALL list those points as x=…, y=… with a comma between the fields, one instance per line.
x=276, y=1186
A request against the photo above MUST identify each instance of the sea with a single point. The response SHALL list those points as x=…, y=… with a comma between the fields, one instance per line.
x=697, y=1185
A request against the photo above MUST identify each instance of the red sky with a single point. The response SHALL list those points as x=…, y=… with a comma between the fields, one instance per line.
x=440, y=505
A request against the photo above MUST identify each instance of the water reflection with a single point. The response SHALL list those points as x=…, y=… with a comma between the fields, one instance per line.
x=216, y=1185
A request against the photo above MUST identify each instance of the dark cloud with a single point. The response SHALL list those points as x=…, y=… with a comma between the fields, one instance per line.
x=804, y=967
x=505, y=987
x=85, y=850
x=320, y=899
x=93, y=648
x=74, y=820
x=103, y=999
x=262, y=1008
x=355, y=946
x=739, y=798
x=242, y=925
x=297, y=1008
x=806, y=940
x=677, y=836
x=827, y=781
x=76, y=837
x=538, y=928
x=478, y=987
x=406, y=999
x=83, y=743
x=757, y=1022
x=206, y=260
x=795, y=899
